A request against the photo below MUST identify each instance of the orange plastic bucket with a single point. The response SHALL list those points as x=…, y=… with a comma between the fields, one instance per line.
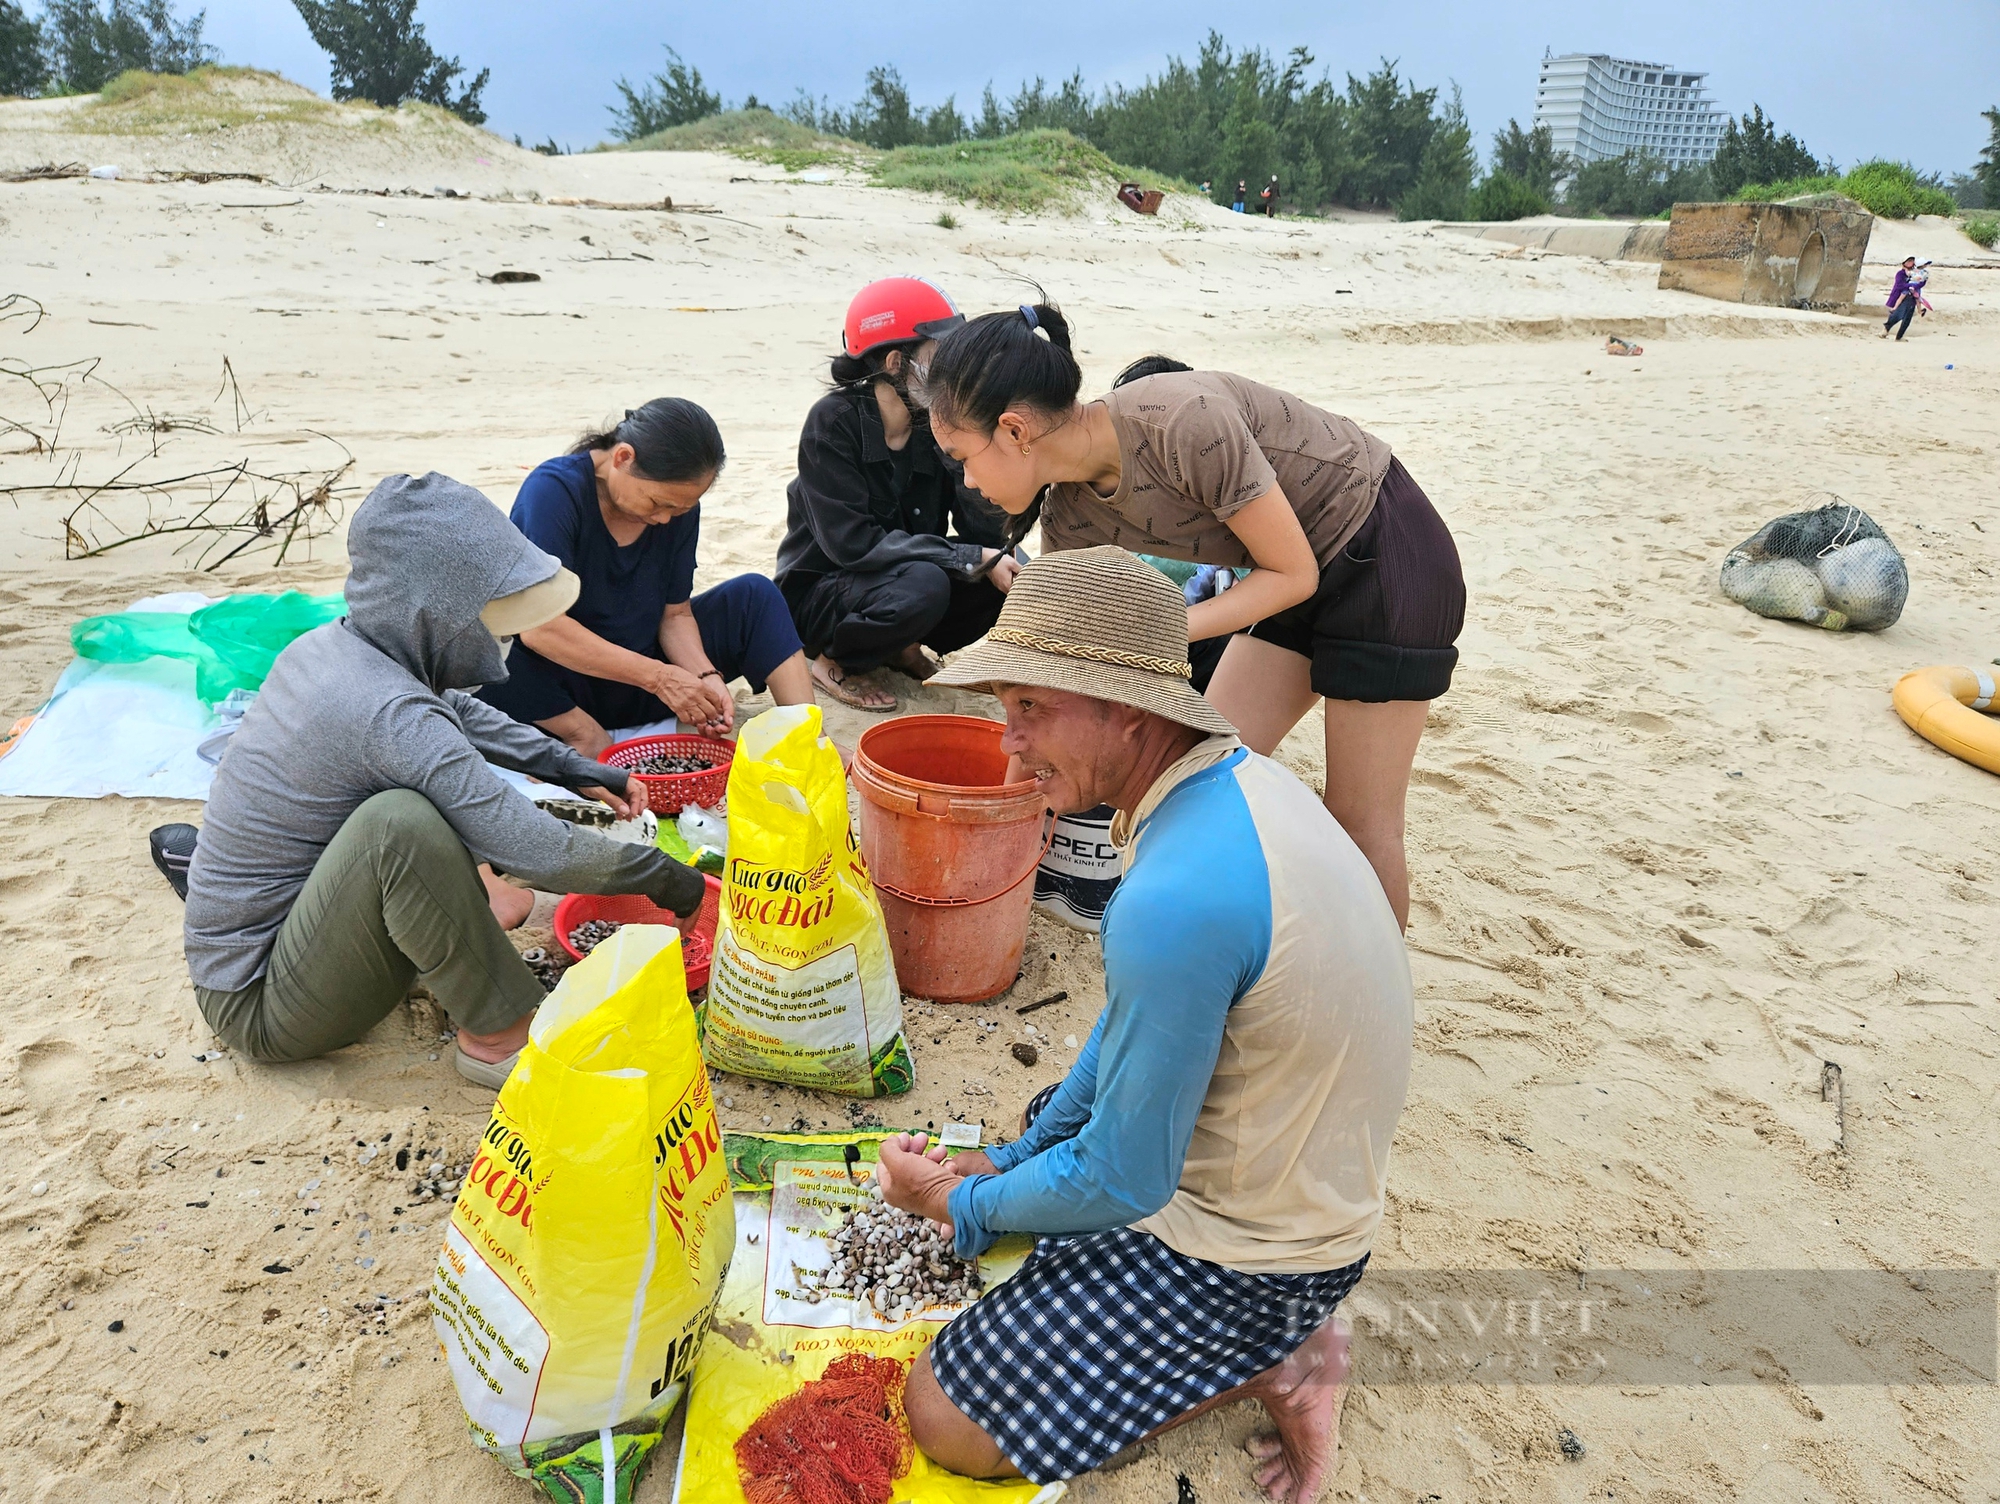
x=952, y=848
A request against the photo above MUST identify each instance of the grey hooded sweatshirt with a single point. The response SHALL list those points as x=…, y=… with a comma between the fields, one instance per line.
x=378, y=701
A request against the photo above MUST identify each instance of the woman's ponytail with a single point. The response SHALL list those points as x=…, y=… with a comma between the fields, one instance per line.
x=1049, y=319
x=851, y=370
x=1001, y=361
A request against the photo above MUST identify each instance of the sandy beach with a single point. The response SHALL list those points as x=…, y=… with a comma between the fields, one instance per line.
x=1668, y=857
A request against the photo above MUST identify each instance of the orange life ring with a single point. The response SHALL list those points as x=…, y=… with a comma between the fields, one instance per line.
x=1942, y=704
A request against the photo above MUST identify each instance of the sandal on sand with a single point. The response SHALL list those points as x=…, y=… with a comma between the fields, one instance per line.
x=491, y=1074
x=849, y=691
x=173, y=848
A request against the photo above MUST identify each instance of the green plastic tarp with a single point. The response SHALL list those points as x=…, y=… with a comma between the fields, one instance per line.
x=232, y=644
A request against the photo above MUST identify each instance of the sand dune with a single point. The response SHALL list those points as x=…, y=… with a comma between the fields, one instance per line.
x=1668, y=857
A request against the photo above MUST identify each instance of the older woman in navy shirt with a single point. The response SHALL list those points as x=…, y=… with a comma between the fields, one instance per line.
x=622, y=511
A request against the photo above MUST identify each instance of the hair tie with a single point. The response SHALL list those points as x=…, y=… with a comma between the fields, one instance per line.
x=1029, y=314
x=628, y=413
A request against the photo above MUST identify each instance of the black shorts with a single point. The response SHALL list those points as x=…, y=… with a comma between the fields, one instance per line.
x=1388, y=608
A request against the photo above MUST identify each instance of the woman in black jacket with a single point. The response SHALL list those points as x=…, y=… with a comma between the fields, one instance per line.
x=886, y=551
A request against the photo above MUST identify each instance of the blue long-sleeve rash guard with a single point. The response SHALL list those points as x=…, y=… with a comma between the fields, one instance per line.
x=1187, y=933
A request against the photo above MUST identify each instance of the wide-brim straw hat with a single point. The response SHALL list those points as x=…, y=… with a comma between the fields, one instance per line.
x=1097, y=622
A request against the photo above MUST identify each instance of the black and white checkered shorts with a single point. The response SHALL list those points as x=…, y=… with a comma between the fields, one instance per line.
x=1104, y=1337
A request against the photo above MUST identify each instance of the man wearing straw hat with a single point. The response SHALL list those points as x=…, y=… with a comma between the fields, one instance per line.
x=1207, y=1180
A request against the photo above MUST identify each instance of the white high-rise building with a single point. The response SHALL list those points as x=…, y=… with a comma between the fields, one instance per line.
x=1597, y=106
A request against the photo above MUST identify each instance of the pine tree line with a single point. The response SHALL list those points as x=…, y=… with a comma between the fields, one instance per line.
x=1233, y=116
x=1230, y=117
x=78, y=46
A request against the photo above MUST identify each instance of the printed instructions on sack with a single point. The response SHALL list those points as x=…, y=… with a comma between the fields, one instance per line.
x=804, y=1024
x=490, y=1337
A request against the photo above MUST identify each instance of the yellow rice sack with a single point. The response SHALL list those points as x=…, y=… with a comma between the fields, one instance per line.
x=593, y=1230
x=791, y=1192
x=803, y=989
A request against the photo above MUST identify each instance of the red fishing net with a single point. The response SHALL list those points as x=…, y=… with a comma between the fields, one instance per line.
x=842, y=1439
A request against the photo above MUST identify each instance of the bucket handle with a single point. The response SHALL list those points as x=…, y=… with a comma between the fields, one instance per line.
x=1048, y=840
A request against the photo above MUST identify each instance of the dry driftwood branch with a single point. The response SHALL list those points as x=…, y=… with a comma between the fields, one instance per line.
x=244, y=510
x=219, y=510
x=18, y=305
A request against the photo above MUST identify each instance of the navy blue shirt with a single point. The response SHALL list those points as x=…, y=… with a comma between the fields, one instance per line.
x=625, y=590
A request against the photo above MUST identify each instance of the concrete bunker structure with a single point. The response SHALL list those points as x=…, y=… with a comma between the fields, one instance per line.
x=1804, y=254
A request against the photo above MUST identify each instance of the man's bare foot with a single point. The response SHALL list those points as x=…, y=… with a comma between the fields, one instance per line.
x=493, y=1048
x=510, y=905
x=858, y=690
x=1302, y=1396
x=915, y=662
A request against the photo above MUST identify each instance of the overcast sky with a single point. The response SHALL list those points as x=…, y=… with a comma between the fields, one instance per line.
x=1853, y=80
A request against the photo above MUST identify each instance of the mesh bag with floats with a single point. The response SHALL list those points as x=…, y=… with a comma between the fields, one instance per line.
x=1830, y=565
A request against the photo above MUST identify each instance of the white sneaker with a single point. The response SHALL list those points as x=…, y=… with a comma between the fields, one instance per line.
x=492, y=1074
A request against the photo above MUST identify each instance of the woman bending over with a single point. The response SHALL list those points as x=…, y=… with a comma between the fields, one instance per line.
x=1354, y=595
x=622, y=511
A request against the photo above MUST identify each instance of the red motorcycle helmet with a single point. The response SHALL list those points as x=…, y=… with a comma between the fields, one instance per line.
x=897, y=310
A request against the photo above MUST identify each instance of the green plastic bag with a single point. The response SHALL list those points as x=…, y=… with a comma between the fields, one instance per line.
x=232, y=644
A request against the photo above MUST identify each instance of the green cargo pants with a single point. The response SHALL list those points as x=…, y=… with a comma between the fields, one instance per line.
x=394, y=899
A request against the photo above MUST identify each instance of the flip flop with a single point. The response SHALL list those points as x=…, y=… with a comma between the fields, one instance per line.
x=173, y=848
x=492, y=1074
x=840, y=689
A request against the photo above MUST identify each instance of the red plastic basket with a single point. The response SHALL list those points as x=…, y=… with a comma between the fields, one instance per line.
x=668, y=793
x=697, y=944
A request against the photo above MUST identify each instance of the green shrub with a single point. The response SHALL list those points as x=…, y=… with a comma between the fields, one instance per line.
x=1890, y=190
x=1983, y=230
x=209, y=99
x=756, y=134
x=1501, y=195
x=1032, y=170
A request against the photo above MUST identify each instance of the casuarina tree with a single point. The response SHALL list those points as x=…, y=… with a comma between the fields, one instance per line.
x=22, y=67
x=1987, y=173
x=675, y=97
x=1752, y=151
x=1444, y=171
x=1530, y=157
x=379, y=53
x=884, y=116
x=87, y=47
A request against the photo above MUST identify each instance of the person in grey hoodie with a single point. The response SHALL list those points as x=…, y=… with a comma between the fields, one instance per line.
x=336, y=865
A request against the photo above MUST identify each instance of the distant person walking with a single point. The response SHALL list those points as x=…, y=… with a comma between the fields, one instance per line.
x=1268, y=199
x=1242, y=195
x=1904, y=294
